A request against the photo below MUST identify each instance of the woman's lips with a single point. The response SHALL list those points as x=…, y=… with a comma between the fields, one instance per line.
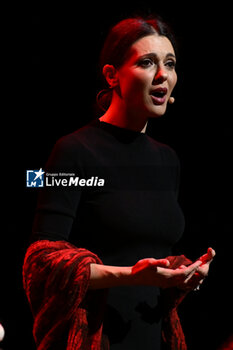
x=158, y=100
x=159, y=96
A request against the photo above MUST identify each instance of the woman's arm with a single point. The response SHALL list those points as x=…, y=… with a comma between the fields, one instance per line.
x=151, y=272
x=104, y=276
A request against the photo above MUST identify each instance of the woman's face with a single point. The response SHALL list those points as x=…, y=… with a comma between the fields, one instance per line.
x=148, y=76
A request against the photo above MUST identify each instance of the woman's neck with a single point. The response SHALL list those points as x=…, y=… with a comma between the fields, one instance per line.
x=118, y=116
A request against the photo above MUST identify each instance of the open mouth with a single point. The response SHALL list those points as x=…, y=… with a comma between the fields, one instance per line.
x=159, y=95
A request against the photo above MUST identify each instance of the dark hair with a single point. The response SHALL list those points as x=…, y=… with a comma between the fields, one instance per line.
x=119, y=40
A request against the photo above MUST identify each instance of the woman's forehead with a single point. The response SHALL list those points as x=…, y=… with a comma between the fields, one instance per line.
x=158, y=44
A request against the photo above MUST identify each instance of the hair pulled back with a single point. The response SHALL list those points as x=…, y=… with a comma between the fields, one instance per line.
x=120, y=39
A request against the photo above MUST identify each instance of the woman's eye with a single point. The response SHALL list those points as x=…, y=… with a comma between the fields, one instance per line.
x=171, y=64
x=145, y=63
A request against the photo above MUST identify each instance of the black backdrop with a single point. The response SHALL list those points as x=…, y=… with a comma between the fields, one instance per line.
x=51, y=82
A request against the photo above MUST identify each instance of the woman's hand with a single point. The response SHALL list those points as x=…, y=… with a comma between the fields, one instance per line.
x=153, y=272
x=202, y=271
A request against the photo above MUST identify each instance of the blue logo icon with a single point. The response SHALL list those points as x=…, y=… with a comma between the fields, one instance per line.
x=35, y=178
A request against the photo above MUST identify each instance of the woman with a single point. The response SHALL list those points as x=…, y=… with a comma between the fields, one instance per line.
x=122, y=232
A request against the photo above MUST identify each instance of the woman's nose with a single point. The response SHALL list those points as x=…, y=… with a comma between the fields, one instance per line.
x=160, y=75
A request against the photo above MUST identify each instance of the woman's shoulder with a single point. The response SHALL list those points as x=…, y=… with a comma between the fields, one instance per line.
x=71, y=148
x=76, y=138
x=164, y=149
x=160, y=145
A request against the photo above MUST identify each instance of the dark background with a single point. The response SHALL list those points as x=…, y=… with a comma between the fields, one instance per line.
x=51, y=80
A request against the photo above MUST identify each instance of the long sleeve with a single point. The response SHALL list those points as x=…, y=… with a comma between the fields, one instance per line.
x=57, y=206
x=56, y=273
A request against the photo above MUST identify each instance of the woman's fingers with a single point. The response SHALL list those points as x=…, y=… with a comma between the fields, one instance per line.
x=149, y=263
x=211, y=252
x=208, y=257
x=161, y=262
x=182, y=267
x=190, y=271
x=206, y=260
x=194, y=281
x=178, y=277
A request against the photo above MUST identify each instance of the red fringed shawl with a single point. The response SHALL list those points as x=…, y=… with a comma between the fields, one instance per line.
x=56, y=277
x=69, y=316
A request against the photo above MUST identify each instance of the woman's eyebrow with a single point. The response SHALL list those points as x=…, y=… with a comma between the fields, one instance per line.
x=154, y=55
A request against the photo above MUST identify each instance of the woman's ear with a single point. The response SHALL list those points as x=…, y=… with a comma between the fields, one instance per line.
x=111, y=75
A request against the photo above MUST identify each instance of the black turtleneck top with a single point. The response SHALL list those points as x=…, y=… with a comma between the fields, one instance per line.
x=133, y=214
